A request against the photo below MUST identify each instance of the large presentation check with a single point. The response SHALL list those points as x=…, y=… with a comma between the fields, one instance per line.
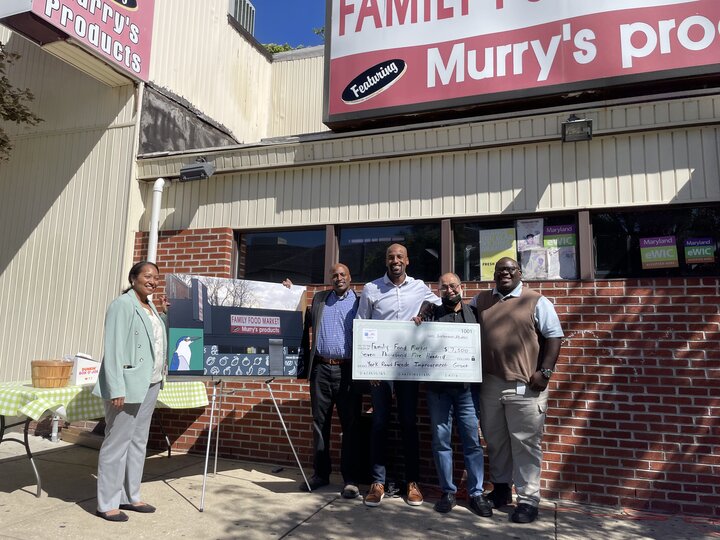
x=403, y=351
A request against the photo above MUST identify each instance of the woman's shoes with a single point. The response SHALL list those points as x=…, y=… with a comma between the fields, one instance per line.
x=143, y=508
x=120, y=516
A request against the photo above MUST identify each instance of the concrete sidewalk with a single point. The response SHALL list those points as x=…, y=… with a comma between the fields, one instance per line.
x=256, y=501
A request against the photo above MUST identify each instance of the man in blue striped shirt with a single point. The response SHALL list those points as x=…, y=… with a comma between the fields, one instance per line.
x=328, y=365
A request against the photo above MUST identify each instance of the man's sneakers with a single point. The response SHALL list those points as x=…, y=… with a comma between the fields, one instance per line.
x=350, y=491
x=375, y=494
x=315, y=483
x=481, y=506
x=414, y=496
x=500, y=496
x=446, y=503
x=524, y=513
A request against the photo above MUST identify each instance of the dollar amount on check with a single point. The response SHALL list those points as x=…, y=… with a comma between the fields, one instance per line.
x=403, y=351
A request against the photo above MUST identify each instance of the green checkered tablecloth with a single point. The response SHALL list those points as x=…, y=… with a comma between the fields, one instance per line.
x=78, y=403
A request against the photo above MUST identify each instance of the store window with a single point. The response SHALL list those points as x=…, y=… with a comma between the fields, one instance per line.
x=362, y=249
x=545, y=247
x=274, y=256
x=658, y=243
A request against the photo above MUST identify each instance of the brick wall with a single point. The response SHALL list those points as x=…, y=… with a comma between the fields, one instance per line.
x=207, y=252
x=634, y=410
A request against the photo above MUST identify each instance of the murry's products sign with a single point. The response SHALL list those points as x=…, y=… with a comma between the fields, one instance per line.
x=387, y=57
x=118, y=31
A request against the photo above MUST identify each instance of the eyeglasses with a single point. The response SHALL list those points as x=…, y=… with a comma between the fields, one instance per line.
x=506, y=269
x=450, y=287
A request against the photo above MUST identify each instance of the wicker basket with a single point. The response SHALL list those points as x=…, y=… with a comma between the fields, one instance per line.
x=50, y=373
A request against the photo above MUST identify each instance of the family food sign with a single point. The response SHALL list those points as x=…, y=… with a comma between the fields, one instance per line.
x=387, y=57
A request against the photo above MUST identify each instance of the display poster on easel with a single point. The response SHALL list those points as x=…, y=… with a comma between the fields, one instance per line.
x=233, y=328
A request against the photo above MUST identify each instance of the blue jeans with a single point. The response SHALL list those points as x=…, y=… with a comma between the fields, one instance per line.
x=443, y=404
x=406, y=393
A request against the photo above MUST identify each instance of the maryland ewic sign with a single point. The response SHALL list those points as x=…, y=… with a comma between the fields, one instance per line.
x=388, y=57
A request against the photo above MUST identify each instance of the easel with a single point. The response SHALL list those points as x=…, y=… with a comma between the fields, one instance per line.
x=213, y=401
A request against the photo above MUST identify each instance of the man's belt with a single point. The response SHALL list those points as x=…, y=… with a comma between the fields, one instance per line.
x=330, y=361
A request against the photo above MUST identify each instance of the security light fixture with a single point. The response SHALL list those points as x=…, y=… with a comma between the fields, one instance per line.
x=576, y=129
x=199, y=170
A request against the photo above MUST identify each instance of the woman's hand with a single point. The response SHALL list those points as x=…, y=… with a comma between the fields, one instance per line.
x=118, y=402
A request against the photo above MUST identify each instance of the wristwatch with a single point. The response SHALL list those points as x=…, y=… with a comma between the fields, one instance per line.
x=546, y=372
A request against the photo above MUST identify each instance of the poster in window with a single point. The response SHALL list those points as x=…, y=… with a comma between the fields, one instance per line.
x=529, y=234
x=534, y=263
x=562, y=263
x=699, y=250
x=557, y=236
x=494, y=245
x=658, y=252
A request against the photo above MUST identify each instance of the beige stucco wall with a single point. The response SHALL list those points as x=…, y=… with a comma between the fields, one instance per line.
x=200, y=57
x=63, y=211
x=297, y=92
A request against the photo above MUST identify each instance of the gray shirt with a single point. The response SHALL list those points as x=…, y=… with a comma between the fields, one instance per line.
x=382, y=299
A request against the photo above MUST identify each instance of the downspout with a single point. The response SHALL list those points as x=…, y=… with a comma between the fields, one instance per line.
x=155, y=219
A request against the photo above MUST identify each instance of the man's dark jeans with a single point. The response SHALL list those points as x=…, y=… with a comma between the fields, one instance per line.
x=333, y=385
x=406, y=393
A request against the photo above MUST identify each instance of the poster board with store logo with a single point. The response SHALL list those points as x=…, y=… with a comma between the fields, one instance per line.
x=233, y=328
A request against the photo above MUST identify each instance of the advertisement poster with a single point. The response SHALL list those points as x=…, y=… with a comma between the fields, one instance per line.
x=534, y=263
x=494, y=245
x=559, y=236
x=699, y=250
x=529, y=234
x=562, y=263
x=222, y=327
x=658, y=252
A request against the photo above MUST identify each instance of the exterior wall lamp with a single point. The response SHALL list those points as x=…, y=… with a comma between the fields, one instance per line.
x=199, y=170
x=576, y=129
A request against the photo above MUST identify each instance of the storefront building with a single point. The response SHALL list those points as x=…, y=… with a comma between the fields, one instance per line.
x=619, y=230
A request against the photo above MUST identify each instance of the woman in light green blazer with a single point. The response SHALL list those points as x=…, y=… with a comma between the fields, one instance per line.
x=131, y=374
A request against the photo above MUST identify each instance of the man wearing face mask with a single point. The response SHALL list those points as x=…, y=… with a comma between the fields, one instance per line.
x=448, y=399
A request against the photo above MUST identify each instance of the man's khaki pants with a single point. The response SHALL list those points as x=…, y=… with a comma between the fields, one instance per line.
x=512, y=426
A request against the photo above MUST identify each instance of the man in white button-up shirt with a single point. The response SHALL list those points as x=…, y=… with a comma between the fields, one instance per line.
x=397, y=297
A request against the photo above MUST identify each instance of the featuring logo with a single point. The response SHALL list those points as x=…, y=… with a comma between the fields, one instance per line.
x=127, y=4
x=373, y=80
